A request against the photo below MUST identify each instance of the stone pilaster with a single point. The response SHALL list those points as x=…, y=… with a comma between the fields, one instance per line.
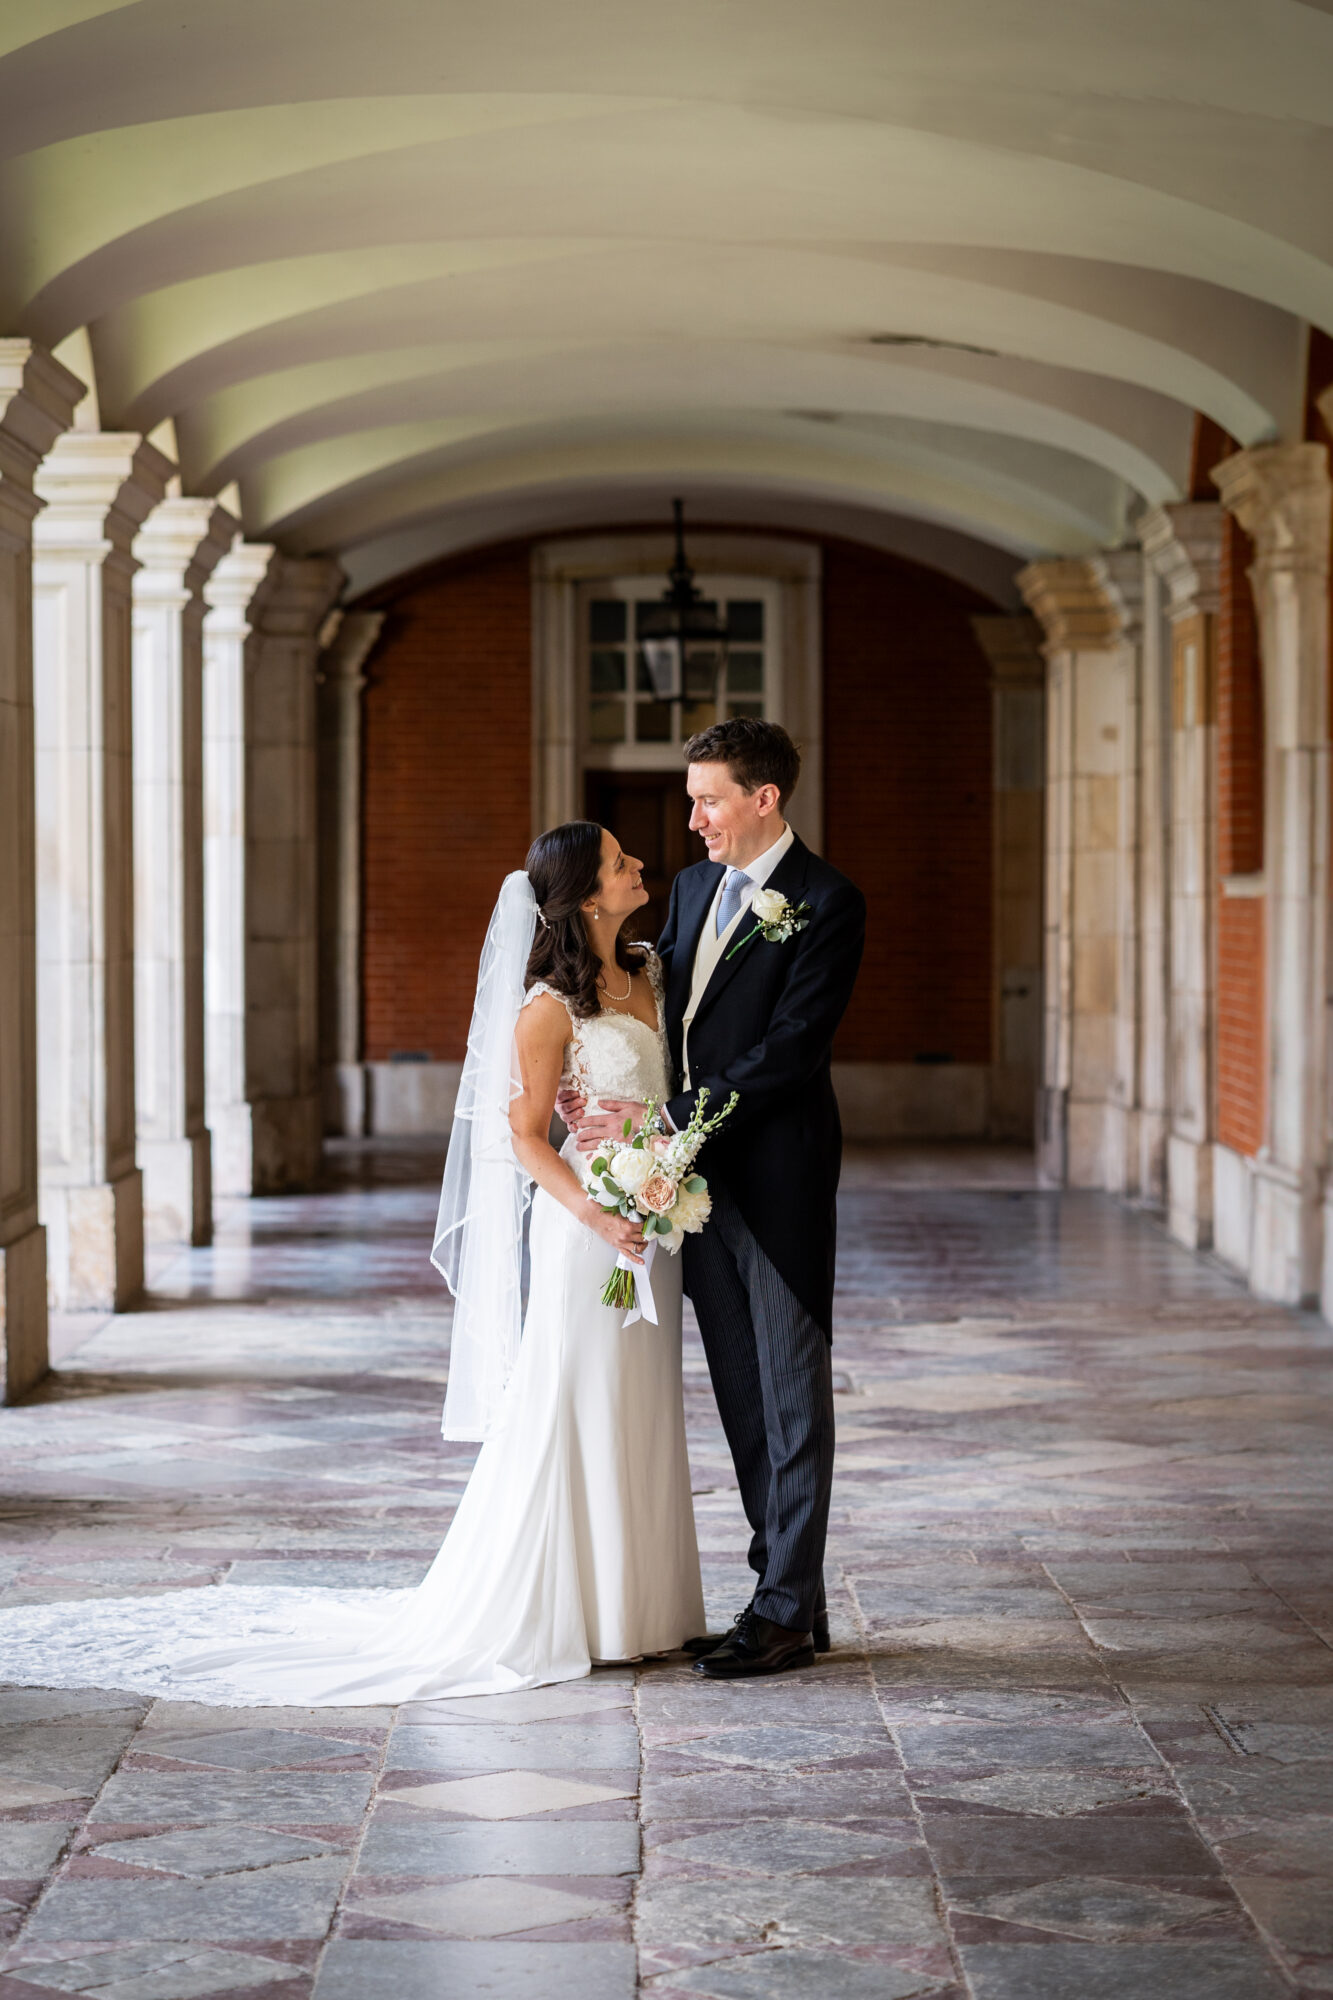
x=1090, y=720
x=37, y=399
x=1281, y=496
x=261, y=640
x=177, y=549
x=97, y=489
x=234, y=594
x=1184, y=545
x=1018, y=694
x=340, y=682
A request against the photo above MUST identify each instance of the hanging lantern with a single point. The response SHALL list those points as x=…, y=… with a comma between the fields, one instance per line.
x=682, y=639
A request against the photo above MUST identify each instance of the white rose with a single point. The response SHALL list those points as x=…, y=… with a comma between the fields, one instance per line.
x=631, y=1166
x=768, y=905
x=692, y=1210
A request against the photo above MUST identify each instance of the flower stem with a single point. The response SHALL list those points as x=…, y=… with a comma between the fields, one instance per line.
x=619, y=1289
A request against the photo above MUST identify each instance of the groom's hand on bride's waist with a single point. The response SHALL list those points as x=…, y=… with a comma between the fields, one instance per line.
x=606, y=1125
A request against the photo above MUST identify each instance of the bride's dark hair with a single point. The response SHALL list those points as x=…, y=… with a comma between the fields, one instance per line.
x=564, y=867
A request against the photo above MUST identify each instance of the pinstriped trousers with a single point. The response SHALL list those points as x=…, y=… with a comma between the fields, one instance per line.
x=773, y=1379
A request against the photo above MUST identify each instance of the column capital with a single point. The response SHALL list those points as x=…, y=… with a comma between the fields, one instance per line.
x=1013, y=647
x=37, y=400
x=1082, y=605
x=236, y=590
x=179, y=546
x=348, y=647
x=303, y=590
x=97, y=489
x=1283, y=498
x=1184, y=545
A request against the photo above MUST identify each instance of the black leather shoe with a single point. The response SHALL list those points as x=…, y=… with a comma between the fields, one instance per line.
x=757, y=1646
x=708, y=1642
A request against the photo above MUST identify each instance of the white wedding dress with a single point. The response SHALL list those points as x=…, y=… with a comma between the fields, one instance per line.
x=573, y=1543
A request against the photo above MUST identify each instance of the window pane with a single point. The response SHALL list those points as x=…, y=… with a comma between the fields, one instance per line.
x=652, y=721
x=745, y=619
x=643, y=680
x=701, y=671
x=606, y=672
x=606, y=621
x=755, y=708
x=606, y=722
x=697, y=715
x=745, y=673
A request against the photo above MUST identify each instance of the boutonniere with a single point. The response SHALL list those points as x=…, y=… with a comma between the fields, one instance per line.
x=775, y=917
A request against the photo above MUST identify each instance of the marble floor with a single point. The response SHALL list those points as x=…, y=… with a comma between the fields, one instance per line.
x=1075, y=1740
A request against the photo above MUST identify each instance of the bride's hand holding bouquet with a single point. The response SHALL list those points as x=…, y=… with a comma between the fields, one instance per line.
x=648, y=1185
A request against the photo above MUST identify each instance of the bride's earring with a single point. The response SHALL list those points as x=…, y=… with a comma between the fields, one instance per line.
x=596, y=913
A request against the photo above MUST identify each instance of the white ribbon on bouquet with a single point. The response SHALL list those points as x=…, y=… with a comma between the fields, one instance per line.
x=645, y=1305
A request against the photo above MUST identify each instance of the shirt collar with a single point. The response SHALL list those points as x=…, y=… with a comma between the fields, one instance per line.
x=759, y=870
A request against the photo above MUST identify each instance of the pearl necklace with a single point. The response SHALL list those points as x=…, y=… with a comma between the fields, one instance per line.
x=619, y=999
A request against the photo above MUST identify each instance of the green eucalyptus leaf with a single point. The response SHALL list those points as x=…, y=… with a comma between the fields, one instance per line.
x=696, y=1184
x=599, y=1166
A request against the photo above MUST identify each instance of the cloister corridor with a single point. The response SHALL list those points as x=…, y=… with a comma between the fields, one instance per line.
x=1075, y=1736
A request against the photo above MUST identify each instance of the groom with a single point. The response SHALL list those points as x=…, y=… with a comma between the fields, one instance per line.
x=756, y=1013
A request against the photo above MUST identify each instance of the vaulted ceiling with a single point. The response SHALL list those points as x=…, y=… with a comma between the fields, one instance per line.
x=417, y=273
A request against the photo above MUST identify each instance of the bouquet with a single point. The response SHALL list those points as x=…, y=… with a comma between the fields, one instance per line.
x=651, y=1175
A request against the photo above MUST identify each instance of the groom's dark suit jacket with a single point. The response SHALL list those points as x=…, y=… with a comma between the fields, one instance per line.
x=764, y=1027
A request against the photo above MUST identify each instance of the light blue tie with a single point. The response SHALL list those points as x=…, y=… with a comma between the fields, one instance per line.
x=730, y=900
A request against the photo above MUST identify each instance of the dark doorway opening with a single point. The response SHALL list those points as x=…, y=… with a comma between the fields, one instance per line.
x=649, y=813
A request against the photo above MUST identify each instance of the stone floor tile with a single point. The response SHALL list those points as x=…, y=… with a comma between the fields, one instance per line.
x=784, y=1847
x=508, y=1795
x=1073, y=1747
x=485, y=1907
x=1099, y=1845
x=1056, y=1971
x=152, y=1972
x=1095, y=1909
x=205, y=1851
x=32, y=1847
x=286, y=1900
x=799, y=1975
x=250, y=1749
x=570, y=1698
x=1053, y=1794
x=401, y=1845
x=411, y=1969
x=562, y=1745
x=833, y=1909
x=191, y=1798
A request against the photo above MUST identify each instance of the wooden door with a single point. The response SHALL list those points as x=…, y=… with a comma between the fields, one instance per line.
x=649, y=814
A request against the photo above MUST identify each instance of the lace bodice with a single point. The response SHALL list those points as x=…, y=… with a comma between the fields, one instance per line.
x=613, y=1054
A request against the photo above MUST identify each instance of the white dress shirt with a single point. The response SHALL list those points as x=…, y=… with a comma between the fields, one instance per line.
x=711, y=947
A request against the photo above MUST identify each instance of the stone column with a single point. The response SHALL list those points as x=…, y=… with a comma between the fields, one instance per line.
x=1119, y=576
x=1280, y=494
x=98, y=487
x=1153, y=891
x=1018, y=684
x=1089, y=718
x=234, y=595
x=37, y=399
x=1184, y=545
x=340, y=682
x=177, y=548
x=261, y=639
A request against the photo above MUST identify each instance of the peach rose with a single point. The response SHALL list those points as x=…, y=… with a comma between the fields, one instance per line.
x=658, y=1194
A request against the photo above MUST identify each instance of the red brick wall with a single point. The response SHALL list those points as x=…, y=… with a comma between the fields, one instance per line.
x=907, y=797
x=446, y=794
x=907, y=802
x=1240, y=804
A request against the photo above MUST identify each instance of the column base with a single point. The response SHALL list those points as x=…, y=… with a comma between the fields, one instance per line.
x=344, y=1093
x=24, y=1355
x=1287, y=1248
x=1189, y=1177
x=1052, y=1145
x=1152, y=1136
x=94, y=1244
x=288, y=1142
x=177, y=1189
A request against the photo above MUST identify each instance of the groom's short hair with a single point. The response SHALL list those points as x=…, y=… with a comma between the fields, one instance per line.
x=756, y=753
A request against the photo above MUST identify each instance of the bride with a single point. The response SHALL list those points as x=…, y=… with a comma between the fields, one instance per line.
x=574, y=1541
